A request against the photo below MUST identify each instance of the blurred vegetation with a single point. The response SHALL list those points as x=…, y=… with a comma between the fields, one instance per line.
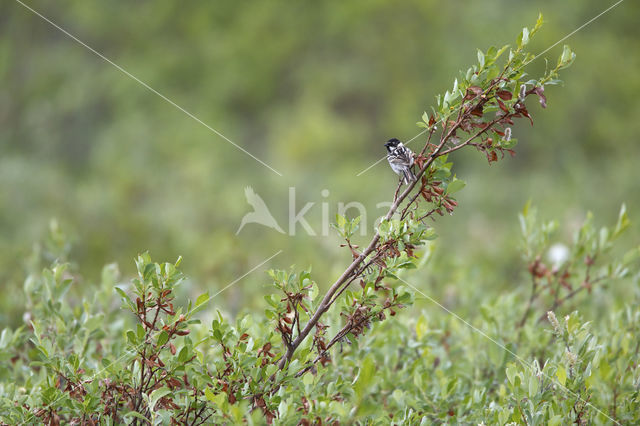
x=311, y=89
x=95, y=169
x=83, y=361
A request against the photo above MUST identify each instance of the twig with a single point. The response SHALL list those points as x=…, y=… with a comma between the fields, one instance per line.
x=339, y=336
x=325, y=303
x=534, y=294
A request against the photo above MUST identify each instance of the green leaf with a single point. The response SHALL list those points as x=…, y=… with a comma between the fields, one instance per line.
x=271, y=300
x=561, y=374
x=183, y=356
x=156, y=395
x=283, y=409
x=131, y=336
x=533, y=386
x=384, y=228
x=221, y=399
x=623, y=222
x=405, y=298
x=138, y=416
x=208, y=393
x=573, y=322
x=566, y=59
x=122, y=293
x=555, y=420
x=523, y=38
x=511, y=373
x=149, y=270
x=500, y=51
x=163, y=338
x=539, y=23
x=365, y=376
x=455, y=185
x=140, y=331
x=481, y=58
x=201, y=302
x=313, y=291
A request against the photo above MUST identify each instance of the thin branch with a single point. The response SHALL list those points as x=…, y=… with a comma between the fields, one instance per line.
x=338, y=337
x=325, y=303
x=352, y=279
x=534, y=294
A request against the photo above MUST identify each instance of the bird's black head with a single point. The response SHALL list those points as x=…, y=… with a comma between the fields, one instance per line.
x=391, y=143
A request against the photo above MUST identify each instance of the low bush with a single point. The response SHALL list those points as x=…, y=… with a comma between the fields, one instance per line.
x=127, y=352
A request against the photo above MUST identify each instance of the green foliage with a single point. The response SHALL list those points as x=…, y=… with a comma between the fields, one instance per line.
x=87, y=362
x=316, y=88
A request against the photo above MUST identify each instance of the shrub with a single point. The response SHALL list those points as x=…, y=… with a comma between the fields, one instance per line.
x=310, y=358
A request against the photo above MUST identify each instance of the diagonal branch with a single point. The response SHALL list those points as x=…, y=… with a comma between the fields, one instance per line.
x=449, y=129
x=327, y=299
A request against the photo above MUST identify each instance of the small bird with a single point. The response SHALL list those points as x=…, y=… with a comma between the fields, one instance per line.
x=400, y=159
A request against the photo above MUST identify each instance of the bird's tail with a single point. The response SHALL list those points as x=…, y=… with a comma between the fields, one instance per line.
x=408, y=175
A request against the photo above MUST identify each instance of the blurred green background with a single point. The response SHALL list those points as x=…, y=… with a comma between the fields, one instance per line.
x=313, y=89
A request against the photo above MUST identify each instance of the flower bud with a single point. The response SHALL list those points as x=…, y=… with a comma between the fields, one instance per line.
x=554, y=321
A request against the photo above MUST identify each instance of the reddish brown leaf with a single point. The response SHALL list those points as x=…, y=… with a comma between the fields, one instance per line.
x=505, y=95
x=472, y=92
x=175, y=382
x=523, y=110
x=502, y=106
x=478, y=111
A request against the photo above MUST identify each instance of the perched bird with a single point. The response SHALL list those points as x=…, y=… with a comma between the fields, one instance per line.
x=400, y=159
